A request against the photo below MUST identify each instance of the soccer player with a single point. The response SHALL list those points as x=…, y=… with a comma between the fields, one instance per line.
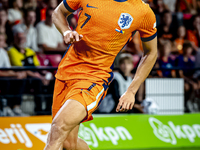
x=85, y=72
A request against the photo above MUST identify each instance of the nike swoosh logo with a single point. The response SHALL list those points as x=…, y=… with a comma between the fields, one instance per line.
x=91, y=6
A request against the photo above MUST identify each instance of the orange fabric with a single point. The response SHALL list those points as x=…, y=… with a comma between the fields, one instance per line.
x=191, y=36
x=179, y=45
x=93, y=56
x=84, y=91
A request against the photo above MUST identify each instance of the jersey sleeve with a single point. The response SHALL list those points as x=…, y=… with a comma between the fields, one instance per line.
x=147, y=28
x=72, y=5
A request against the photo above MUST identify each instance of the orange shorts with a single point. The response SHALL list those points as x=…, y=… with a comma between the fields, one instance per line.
x=87, y=93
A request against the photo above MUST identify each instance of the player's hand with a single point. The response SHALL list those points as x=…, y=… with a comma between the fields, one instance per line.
x=126, y=102
x=72, y=37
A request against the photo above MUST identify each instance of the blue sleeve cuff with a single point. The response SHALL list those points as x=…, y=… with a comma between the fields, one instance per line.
x=149, y=38
x=67, y=6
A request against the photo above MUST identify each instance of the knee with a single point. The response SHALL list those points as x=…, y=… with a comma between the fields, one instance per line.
x=59, y=127
x=70, y=145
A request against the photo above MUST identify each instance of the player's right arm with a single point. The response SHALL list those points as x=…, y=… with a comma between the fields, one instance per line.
x=59, y=19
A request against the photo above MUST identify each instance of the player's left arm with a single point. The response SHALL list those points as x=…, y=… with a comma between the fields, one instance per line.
x=148, y=33
x=147, y=62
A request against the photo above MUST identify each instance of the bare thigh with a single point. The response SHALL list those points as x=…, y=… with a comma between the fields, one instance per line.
x=66, y=120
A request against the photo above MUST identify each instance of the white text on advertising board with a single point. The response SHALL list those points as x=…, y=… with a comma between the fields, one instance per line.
x=171, y=132
x=90, y=135
x=15, y=133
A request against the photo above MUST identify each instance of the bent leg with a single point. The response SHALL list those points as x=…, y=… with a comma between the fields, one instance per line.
x=68, y=117
x=73, y=142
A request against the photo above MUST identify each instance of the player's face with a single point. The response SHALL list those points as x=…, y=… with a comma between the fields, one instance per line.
x=126, y=67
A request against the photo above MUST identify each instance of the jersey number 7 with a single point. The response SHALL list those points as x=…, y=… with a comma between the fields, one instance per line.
x=88, y=18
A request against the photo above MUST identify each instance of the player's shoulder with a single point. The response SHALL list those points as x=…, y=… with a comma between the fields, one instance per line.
x=144, y=7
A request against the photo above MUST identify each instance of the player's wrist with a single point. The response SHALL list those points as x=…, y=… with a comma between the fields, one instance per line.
x=66, y=32
x=131, y=90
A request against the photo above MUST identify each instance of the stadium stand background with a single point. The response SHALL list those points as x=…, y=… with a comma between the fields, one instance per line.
x=27, y=33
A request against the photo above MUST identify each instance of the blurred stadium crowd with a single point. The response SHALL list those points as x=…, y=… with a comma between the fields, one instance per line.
x=28, y=38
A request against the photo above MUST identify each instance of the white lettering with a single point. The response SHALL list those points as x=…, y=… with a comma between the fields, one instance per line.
x=90, y=138
x=3, y=137
x=17, y=133
x=99, y=132
x=123, y=132
x=112, y=134
x=197, y=129
x=177, y=130
x=189, y=132
x=10, y=135
x=28, y=141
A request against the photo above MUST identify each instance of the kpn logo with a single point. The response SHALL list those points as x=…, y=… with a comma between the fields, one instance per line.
x=170, y=133
x=93, y=134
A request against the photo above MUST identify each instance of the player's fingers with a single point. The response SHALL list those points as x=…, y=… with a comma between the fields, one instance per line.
x=128, y=107
x=119, y=106
x=76, y=35
x=123, y=109
x=80, y=37
x=71, y=37
x=67, y=39
x=131, y=106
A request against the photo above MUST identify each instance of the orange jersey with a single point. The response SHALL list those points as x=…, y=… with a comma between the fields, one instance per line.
x=106, y=26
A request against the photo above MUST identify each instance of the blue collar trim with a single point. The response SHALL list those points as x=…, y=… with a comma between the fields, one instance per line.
x=120, y=0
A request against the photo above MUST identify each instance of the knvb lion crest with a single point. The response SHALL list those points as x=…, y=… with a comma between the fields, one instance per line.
x=125, y=20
